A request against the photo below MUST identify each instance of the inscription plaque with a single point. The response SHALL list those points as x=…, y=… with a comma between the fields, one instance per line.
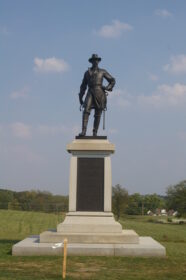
x=90, y=184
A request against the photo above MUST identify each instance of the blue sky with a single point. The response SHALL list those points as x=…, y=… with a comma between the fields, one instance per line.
x=45, y=46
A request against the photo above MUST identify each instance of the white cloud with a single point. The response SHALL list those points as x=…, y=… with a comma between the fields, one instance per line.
x=19, y=154
x=122, y=102
x=20, y=94
x=50, y=65
x=177, y=64
x=120, y=98
x=52, y=129
x=26, y=155
x=115, y=93
x=166, y=95
x=153, y=77
x=24, y=131
x=163, y=13
x=21, y=130
x=114, y=30
x=57, y=129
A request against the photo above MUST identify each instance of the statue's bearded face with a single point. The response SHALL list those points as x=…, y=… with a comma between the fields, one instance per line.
x=95, y=63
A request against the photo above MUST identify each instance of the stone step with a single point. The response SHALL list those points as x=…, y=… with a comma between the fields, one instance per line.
x=89, y=222
x=147, y=247
x=126, y=236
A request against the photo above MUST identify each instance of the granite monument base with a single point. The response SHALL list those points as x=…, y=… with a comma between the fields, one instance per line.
x=147, y=247
x=89, y=225
x=92, y=228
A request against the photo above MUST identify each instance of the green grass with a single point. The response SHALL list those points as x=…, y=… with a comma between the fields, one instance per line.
x=16, y=225
x=19, y=224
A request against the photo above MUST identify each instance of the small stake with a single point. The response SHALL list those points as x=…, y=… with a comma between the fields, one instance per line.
x=64, y=258
x=64, y=254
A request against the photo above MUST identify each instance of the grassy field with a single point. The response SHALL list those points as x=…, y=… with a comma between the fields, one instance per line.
x=16, y=225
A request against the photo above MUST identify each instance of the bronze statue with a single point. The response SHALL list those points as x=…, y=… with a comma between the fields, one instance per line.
x=96, y=95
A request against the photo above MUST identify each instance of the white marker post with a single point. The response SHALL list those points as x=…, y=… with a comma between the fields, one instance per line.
x=64, y=254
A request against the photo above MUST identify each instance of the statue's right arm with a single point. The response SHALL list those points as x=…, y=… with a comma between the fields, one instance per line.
x=83, y=88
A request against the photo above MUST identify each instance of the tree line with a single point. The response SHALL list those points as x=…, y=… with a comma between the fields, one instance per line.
x=33, y=201
x=122, y=202
x=137, y=204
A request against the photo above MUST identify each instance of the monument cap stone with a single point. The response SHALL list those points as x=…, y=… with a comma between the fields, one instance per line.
x=100, y=145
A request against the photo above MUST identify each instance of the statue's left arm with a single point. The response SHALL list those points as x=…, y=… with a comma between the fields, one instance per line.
x=111, y=81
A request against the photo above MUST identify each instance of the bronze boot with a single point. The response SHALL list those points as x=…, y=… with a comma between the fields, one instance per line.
x=84, y=124
x=96, y=124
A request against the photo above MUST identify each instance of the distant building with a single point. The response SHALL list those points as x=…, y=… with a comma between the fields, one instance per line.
x=163, y=212
x=171, y=212
x=158, y=211
x=175, y=213
x=150, y=213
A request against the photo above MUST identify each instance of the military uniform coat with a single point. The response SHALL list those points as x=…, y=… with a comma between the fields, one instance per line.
x=96, y=96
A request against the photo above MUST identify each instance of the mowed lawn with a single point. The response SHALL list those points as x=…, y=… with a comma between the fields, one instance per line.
x=16, y=225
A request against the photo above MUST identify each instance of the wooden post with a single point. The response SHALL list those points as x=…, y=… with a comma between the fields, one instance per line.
x=64, y=258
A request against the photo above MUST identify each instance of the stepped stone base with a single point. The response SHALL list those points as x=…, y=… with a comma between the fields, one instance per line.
x=147, y=247
x=90, y=227
x=126, y=236
x=90, y=233
x=89, y=222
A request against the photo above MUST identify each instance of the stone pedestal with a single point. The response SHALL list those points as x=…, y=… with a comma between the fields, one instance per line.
x=89, y=225
x=90, y=219
x=90, y=186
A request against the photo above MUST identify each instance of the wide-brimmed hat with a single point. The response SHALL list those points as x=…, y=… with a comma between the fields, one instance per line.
x=94, y=57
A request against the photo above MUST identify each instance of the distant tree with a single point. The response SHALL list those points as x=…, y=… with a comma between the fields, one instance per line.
x=176, y=197
x=119, y=200
x=33, y=201
x=60, y=203
x=139, y=204
x=6, y=196
x=14, y=205
x=135, y=204
x=152, y=202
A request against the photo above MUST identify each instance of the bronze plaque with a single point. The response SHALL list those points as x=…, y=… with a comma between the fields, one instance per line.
x=90, y=184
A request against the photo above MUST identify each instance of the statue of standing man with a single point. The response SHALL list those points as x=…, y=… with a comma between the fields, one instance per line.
x=96, y=95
